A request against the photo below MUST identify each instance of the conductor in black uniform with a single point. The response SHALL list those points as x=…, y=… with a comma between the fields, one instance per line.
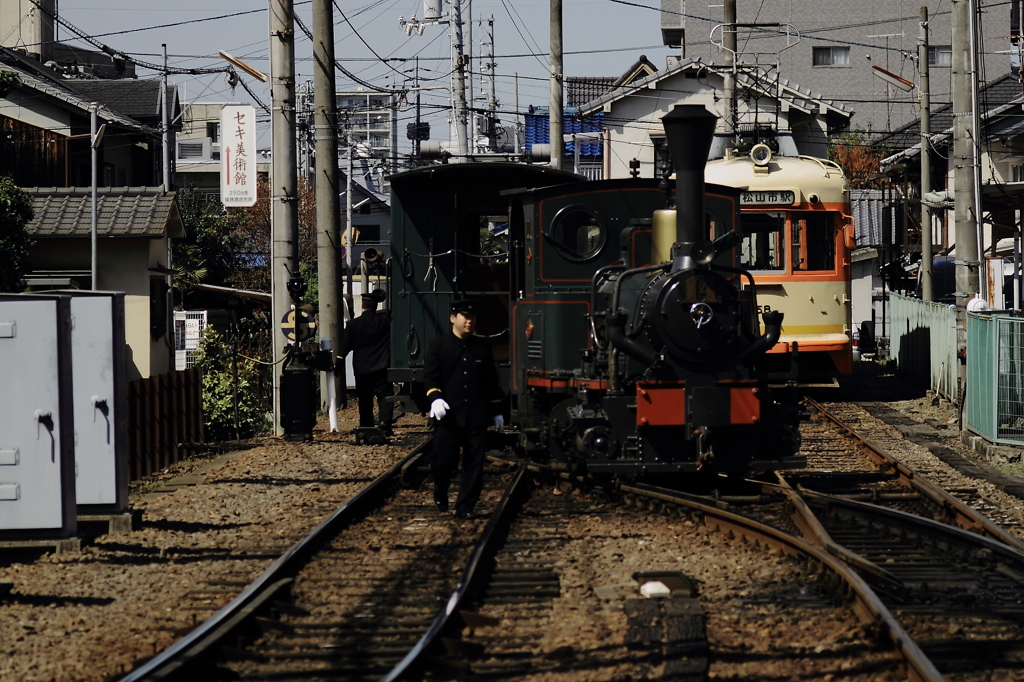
x=368, y=338
x=462, y=384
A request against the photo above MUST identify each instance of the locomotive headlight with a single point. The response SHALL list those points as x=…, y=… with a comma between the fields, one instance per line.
x=761, y=154
x=701, y=313
x=702, y=252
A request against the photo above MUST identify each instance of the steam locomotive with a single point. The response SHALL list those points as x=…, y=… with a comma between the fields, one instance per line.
x=626, y=330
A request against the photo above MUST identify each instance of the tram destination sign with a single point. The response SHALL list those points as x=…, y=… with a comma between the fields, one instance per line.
x=782, y=197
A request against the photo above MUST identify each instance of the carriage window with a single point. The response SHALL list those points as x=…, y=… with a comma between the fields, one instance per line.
x=764, y=244
x=579, y=232
x=814, y=242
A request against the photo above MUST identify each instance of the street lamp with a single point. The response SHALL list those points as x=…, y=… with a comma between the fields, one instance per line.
x=252, y=71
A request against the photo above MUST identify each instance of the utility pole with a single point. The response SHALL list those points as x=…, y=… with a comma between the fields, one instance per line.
x=556, y=106
x=923, y=90
x=327, y=234
x=729, y=41
x=492, y=102
x=966, y=234
x=461, y=132
x=515, y=108
x=285, y=283
x=964, y=134
x=416, y=137
x=471, y=93
x=166, y=131
x=976, y=132
x=94, y=150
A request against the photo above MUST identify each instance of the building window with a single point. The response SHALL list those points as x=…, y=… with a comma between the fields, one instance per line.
x=369, y=234
x=832, y=56
x=940, y=55
x=662, y=159
x=212, y=131
x=1017, y=172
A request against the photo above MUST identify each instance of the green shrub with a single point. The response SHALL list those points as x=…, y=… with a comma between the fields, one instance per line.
x=217, y=360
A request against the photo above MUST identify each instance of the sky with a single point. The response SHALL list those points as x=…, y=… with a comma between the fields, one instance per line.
x=600, y=38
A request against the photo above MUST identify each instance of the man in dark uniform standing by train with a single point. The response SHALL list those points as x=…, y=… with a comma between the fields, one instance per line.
x=368, y=338
x=461, y=379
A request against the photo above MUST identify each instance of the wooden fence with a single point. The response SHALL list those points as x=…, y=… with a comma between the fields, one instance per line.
x=164, y=413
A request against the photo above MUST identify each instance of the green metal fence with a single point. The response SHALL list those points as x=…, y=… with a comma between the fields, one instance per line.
x=922, y=340
x=995, y=377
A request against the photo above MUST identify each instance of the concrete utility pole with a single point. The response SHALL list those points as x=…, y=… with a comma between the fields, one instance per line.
x=325, y=134
x=729, y=40
x=165, y=125
x=966, y=233
x=926, y=159
x=284, y=210
x=94, y=150
x=556, y=108
x=471, y=136
x=461, y=123
x=492, y=101
x=964, y=135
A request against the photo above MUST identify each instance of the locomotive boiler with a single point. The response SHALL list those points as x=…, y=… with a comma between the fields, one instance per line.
x=627, y=332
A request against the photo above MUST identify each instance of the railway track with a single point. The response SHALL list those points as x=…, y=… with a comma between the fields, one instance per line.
x=951, y=577
x=385, y=599
x=351, y=598
x=867, y=471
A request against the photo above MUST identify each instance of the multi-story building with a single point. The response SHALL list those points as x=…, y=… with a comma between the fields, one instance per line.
x=830, y=47
x=368, y=124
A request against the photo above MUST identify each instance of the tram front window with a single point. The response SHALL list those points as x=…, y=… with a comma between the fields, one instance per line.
x=764, y=246
x=814, y=242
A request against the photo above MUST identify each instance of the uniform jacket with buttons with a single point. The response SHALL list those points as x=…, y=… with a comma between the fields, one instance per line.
x=463, y=373
x=368, y=337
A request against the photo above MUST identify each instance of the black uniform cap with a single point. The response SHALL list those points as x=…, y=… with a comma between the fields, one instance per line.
x=464, y=306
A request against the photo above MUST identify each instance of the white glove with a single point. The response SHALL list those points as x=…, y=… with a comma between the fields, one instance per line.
x=499, y=422
x=438, y=409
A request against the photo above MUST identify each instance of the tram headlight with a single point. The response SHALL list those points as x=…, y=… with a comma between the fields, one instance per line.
x=761, y=154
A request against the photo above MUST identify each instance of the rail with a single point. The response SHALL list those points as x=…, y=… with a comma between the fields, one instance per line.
x=958, y=513
x=190, y=650
x=867, y=604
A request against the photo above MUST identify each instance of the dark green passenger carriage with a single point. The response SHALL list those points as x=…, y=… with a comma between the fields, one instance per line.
x=438, y=216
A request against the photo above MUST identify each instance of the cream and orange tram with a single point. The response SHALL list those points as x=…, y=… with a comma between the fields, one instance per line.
x=795, y=213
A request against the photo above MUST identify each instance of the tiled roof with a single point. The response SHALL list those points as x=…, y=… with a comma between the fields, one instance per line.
x=994, y=94
x=56, y=90
x=139, y=99
x=580, y=90
x=146, y=212
x=791, y=93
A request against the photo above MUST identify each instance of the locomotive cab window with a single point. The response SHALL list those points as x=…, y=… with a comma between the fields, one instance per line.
x=764, y=246
x=578, y=231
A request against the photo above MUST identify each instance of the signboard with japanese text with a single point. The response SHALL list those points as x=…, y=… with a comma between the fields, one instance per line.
x=238, y=155
x=779, y=197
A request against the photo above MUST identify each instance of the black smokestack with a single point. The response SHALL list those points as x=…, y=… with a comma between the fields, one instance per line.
x=689, y=131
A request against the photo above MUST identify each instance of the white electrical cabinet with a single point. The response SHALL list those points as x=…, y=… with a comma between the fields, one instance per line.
x=99, y=378
x=37, y=449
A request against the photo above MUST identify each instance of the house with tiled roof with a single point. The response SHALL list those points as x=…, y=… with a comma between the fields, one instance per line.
x=582, y=134
x=800, y=120
x=1002, y=165
x=142, y=100
x=46, y=148
x=134, y=226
